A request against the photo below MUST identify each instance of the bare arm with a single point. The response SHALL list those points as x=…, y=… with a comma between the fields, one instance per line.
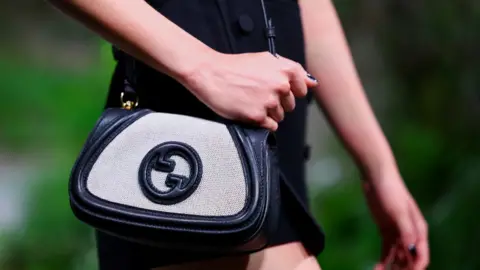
x=249, y=87
x=340, y=92
x=140, y=30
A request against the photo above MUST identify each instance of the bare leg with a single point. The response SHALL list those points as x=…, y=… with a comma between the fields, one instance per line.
x=309, y=263
x=291, y=256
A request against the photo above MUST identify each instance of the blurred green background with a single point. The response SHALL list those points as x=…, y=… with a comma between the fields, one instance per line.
x=419, y=62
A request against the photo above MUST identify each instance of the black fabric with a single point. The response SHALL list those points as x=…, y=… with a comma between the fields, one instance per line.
x=117, y=254
x=229, y=26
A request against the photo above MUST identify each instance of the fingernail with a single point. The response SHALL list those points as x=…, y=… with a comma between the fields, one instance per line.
x=311, y=77
x=412, y=249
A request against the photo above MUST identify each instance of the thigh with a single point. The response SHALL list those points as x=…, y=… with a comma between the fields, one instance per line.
x=290, y=256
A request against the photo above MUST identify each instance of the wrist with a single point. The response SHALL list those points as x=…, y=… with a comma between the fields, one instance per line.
x=381, y=171
x=193, y=61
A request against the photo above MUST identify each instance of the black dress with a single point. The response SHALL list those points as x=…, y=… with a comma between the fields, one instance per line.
x=229, y=26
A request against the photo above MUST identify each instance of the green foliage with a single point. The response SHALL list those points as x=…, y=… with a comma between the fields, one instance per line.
x=52, y=106
x=54, y=109
x=428, y=48
x=52, y=238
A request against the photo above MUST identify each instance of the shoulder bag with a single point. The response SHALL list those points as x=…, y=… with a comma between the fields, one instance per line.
x=177, y=181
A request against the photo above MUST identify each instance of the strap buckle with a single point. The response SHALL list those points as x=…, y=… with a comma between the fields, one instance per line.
x=128, y=104
x=128, y=98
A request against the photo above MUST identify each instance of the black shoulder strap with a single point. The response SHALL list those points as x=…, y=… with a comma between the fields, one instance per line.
x=269, y=30
x=129, y=62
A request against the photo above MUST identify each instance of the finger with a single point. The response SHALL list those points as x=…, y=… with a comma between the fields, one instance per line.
x=406, y=237
x=297, y=77
x=310, y=80
x=407, y=233
x=422, y=256
x=402, y=258
x=397, y=267
x=386, y=254
x=422, y=260
x=276, y=113
x=269, y=124
x=297, y=82
x=288, y=102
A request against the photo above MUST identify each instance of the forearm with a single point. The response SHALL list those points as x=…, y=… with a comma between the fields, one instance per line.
x=140, y=30
x=340, y=92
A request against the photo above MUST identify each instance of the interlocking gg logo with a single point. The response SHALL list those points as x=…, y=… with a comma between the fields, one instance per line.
x=180, y=187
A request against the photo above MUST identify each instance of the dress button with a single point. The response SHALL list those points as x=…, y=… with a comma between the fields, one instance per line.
x=245, y=23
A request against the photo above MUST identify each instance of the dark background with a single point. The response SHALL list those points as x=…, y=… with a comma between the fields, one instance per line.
x=419, y=62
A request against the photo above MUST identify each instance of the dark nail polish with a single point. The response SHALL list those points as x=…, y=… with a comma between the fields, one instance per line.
x=311, y=77
x=412, y=249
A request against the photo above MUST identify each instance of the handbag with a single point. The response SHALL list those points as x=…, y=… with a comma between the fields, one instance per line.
x=178, y=181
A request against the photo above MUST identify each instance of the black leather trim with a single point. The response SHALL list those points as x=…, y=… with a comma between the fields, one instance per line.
x=265, y=143
x=244, y=231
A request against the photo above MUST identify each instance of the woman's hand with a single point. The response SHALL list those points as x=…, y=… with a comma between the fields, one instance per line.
x=400, y=222
x=256, y=88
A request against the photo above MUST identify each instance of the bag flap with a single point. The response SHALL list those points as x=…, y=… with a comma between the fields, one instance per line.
x=171, y=168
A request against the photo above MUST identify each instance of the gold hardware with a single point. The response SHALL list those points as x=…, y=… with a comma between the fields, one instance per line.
x=128, y=104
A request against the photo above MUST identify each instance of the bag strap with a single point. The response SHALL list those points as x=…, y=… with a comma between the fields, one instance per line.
x=129, y=98
x=269, y=30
